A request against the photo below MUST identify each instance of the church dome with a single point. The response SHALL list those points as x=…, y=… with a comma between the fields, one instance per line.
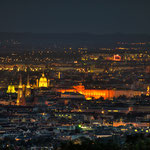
x=43, y=81
x=11, y=89
x=43, y=78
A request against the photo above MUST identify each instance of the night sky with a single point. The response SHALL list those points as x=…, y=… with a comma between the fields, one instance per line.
x=71, y=16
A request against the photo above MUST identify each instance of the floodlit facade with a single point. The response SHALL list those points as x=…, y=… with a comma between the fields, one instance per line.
x=98, y=93
x=43, y=82
x=11, y=89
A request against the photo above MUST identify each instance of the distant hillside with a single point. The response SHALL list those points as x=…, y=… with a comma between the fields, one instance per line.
x=61, y=40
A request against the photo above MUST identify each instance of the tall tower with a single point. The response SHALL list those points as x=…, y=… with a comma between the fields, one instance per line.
x=37, y=83
x=20, y=91
x=59, y=76
x=48, y=83
x=28, y=88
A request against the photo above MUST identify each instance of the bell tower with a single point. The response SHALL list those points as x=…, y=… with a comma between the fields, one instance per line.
x=20, y=91
x=28, y=87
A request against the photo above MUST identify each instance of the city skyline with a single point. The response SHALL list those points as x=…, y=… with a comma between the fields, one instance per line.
x=74, y=75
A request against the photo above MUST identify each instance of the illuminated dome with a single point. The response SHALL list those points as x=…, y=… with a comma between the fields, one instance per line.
x=11, y=89
x=43, y=82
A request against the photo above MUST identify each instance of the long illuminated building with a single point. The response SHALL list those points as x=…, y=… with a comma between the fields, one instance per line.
x=97, y=93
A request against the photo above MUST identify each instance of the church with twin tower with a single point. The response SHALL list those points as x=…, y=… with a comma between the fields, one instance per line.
x=43, y=82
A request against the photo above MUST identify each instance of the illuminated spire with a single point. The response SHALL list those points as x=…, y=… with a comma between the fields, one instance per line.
x=28, y=82
x=20, y=82
x=20, y=91
x=58, y=75
x=28, y=90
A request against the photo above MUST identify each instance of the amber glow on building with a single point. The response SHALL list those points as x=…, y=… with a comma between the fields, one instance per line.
x=43, y=82
x=97, y=93
x=117, y=124
x=90, y=93
x=28, y=88
x=20, y=91
x=117, y=58
x=148, y=91
x=11, y=89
